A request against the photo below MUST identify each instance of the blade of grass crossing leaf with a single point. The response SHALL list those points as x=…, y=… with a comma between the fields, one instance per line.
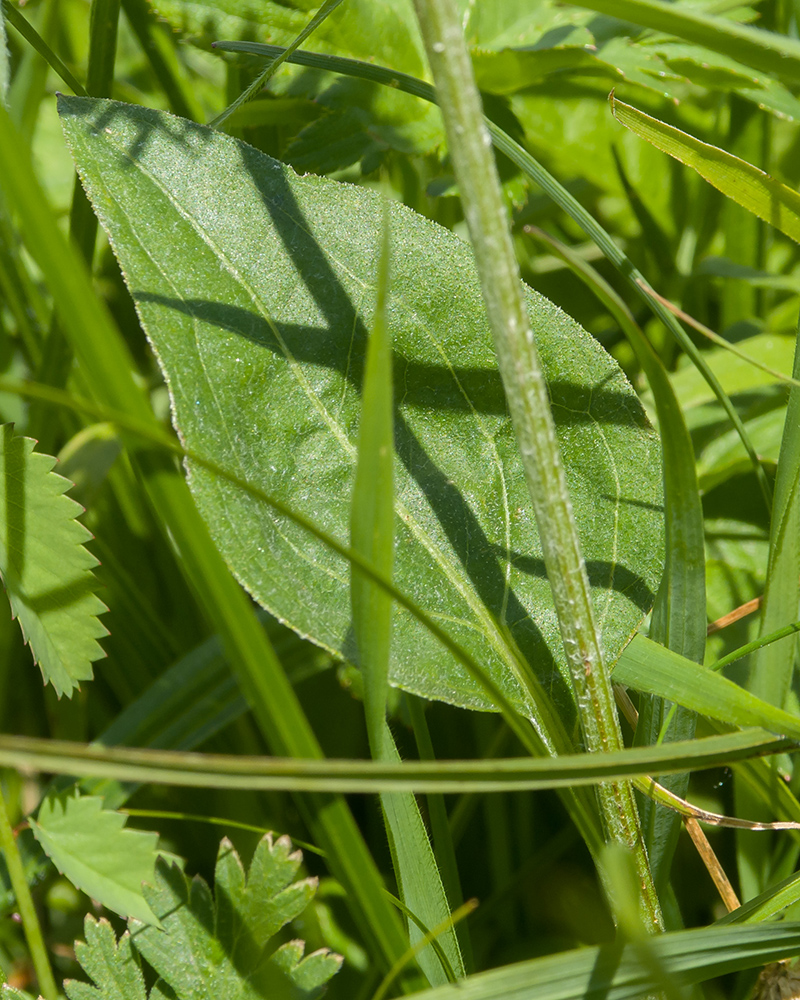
x=679, y=618
x=503, y=142
x=105, y=360
x=372, y=536
x=765, y=50
x=325, y=10
x=372, y=511
x=35, y=40
x=742, y=182
x=531, y=416
x=192, y=770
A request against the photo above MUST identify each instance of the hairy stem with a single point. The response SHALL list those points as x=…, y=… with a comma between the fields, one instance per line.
x=528, y=400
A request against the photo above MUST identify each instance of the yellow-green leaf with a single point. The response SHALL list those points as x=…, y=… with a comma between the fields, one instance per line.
x=736, y=179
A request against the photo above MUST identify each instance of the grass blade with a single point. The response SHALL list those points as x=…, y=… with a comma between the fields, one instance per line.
x=190, y=770
x=35, y=40
x=372, y=536
x=735, y=178
x=328, y=7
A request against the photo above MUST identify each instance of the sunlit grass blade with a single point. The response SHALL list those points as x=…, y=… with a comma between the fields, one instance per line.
x=742, y=182
x=764, y=50
x=766, y=905
x=107, y=365
x=554, y=190
x=372, y=510
x=35, y=40
x=191, y=770
x=645, y=666
x=616, y=972
x=327, y=8
x=372, y=536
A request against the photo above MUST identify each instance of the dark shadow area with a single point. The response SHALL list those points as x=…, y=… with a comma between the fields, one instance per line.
x=342, y=347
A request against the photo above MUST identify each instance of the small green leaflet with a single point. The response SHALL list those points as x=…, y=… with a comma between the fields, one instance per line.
x=46, y=569
x=91, y=847
x=214, y=946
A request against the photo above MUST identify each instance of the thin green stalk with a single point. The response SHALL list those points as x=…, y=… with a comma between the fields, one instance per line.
x=57, y=352
x=35, y=40
x=258, y=84
x=527, y=395
x=27, y=911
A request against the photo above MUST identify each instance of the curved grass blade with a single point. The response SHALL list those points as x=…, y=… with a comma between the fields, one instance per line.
x=736, y=179
x=174, y=767
x=372, y=536
x=328, y=7
x=560, y=196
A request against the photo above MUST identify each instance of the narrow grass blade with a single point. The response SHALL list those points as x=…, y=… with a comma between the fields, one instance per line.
x=766, y=905
x=35, y=40
x=372, y=511
x=775, y=54
x=372, y=536
x=442, y=834
x=648, y=667
x=616, y=972
x=736, y=179
x=773, y=665
x=173, y=767
x=560, y=196
x=328, y=7
x=105, y=360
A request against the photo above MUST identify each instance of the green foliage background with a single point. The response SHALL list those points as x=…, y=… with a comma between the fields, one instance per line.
x=188, y=256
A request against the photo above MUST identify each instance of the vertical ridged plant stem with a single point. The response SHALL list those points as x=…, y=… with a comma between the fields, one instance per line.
x=470, y=149
x=27, y=911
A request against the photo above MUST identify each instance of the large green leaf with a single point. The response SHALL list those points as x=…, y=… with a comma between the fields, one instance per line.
x=256, y=289
x=45, y=567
